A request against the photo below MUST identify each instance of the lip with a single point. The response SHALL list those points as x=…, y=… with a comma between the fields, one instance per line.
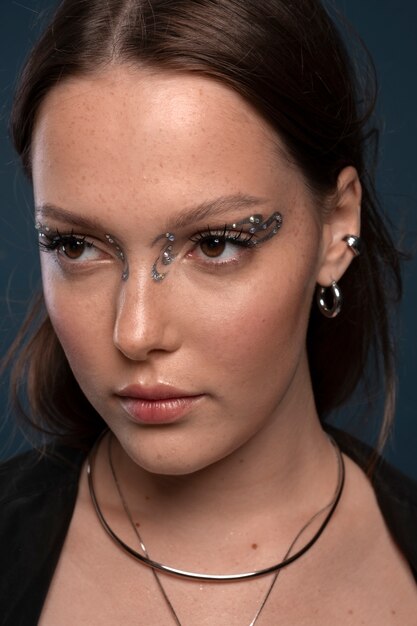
x=159, y=404
x=161, y=391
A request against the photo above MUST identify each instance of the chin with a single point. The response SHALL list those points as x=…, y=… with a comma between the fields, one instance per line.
x=170, y=464
x=166, y=454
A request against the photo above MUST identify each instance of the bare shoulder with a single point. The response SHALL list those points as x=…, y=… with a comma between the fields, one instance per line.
x=357, y=574
x=377, y=579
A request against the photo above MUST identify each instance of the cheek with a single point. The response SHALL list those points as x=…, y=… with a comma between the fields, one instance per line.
x=83, y=321
x=256, y=331
x=255, y=327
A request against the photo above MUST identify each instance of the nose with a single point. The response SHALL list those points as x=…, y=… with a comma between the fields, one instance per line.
x=146, y=318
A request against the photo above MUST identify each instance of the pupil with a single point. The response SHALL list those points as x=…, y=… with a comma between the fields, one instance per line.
x=73, y=249
x=213, y=246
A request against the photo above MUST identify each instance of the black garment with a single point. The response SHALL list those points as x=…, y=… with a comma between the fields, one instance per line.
x=37, y=499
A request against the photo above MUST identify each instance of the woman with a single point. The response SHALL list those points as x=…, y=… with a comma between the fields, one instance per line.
x=199, y=176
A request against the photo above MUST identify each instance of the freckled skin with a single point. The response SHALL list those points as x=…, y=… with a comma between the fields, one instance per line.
x=131, y=148
x=237, y=336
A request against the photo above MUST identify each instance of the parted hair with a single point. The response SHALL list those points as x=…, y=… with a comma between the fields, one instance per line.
x=289, y=61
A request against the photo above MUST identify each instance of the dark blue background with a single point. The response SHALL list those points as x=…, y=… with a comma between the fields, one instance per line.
x=388, y=28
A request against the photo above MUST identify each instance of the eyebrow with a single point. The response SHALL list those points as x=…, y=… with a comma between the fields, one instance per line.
x=63, y=215
x=213, y=208
x=209, y=208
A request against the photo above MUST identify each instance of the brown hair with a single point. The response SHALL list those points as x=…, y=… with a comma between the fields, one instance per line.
x=289, y=61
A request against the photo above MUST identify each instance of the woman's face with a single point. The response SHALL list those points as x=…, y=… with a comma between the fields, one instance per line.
x=122, y=158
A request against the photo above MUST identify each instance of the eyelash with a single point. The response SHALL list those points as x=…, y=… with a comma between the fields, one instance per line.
x=237, y=237
x=57, y=240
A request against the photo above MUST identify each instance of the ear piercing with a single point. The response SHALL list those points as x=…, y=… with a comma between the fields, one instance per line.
x=355, y=243
x=334, y=309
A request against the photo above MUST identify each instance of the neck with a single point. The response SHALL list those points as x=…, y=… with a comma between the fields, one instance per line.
x=282, y=472
x=250, y=505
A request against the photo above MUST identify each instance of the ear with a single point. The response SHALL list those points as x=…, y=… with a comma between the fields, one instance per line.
x=342, y=219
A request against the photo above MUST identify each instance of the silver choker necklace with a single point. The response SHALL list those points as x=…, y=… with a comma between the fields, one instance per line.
x=160, y=567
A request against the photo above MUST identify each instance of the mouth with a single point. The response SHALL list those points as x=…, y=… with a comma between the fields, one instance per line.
x=161, y=404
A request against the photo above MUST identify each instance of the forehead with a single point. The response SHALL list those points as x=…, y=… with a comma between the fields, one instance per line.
x=131, y=138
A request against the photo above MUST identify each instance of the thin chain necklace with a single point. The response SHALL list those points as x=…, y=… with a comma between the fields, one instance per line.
x=157, y=567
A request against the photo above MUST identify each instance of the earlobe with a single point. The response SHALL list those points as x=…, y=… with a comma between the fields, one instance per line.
x=340, y=235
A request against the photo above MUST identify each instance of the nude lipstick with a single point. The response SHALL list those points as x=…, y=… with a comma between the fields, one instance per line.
x=159, y=404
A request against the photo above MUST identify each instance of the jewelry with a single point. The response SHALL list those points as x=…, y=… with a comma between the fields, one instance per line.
x=337, y=300
x=331, y=505
x=166, y=257
x=355, y=243
x=256, y=222
x=120, y=254
x=216, y=577
x=41, y=229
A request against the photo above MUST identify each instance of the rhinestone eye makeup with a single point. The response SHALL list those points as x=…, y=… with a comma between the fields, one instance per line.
x=43, y=230
x=120, y=255
x=51, y=240
x=259, y=225
x=269, y=227
x=166, y=256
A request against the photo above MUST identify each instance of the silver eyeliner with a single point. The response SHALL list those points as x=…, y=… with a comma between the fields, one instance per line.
x=165, y=257
x=44, y=233
x=270, y=227
x=120, y=255
x=258, y=224
x=42, y=230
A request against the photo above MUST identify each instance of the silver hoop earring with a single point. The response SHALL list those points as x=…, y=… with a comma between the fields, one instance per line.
x=354, y=243
x=337, y=300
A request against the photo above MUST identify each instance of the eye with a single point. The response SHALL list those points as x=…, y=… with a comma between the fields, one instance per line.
x=221, y=247
x=74, y=248
x=70, y=248
x=213, y=247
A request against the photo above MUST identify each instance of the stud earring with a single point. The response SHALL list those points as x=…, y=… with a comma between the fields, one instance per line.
x=336, y=306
